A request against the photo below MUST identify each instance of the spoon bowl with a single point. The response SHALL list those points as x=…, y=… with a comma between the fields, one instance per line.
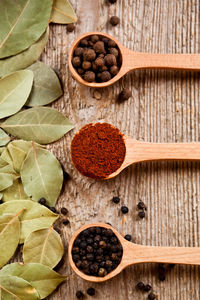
x=134, y=253
x=131, y=60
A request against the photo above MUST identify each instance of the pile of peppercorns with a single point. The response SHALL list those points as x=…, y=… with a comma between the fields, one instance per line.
x=97, y=251
x=97, y=58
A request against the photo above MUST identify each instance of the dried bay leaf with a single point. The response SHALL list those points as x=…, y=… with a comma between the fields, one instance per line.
x=5, y=155
x=25, y=58
x=9, y=236
x=43, y=246
x=42, y=175
x=4, y=138
x=34, y=217
x=43, y=125
x=63, y=12
x=41, y=277
x=14, y=91
x=16, y=288
x=18, y=28
x=46, y=85
x=14, y=192
x=18, y=150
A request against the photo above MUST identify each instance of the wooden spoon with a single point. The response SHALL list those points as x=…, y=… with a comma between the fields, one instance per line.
x=134, y=254
x=137, y=60
x=137, y=151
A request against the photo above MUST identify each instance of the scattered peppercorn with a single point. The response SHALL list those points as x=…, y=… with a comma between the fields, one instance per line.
x=147, y=287
x=124, y=209
x=79, y=294
x=97, y=251
x=42, y=201
x=116, y=200
x=99, y=55
x=151, y=296
x=128, y=237
x=64, y=211
x=53, y=209
x=124, y=95
x=114, y=20
x=91, y=291
x=141, y=205
x=141, y=214
x=70, y=27
x=140, y=286
x=66, y=222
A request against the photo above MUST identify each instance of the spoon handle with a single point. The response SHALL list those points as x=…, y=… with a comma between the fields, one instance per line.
x=139, y=60
x=141, y=151
x=170, y=255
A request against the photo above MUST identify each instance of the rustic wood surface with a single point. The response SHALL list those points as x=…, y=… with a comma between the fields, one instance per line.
x=164, y=107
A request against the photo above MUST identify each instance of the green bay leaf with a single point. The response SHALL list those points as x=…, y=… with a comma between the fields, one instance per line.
x=42, y=175
x=16, y=288
x=34, y=217
x=41, y=277
x=46, y=85
x=14, y=91
x=40, y=124
x=14, y=192
x=4, y=138
x=18, y=28
x=63, y=12
x=25, y=58
x=9, y=236
x=43, y=246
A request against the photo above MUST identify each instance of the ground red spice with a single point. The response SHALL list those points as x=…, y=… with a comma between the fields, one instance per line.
x=98, y=150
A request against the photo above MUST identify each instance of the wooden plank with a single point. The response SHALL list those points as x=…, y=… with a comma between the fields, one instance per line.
x=164, y=108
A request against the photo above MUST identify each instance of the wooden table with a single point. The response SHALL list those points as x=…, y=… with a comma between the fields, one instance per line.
x=164, y=107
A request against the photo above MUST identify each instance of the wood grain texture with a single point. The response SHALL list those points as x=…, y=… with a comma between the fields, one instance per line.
x=164, y=107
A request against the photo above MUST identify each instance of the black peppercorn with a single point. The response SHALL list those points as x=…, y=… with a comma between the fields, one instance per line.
x=76, y=61
x=53, y=209
x=114, y=20
x=124, y=95
x=86, y=65
x=79, y=294
x=147, y=287
x=91, y=291
x=114, y=70
x=90, y=256
x=99, y=62
x=89, y=55
x=140, y=286
x=112, y=44
x=151, y=296
x=110, y=60
x=80, y=71
x=102, y=272
x=42, y=201
x=124, y=209
x=116, y=200
x=141, y=205
x=66, y=222
x=128, y=237
x=105, y=76
x=84, y=43
x=102, y=244
x=99, y=47
x=161, y=276
x=113, y=51
x=141, y=214
x=75, y=250
x=94, y=38
x=89, y=76
x=89, y=249
x=112, y=1
x=79, y=51
x=70, y=27
x=64, y=211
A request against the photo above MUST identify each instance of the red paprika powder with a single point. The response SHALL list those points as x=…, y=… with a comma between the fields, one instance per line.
x=98, y=150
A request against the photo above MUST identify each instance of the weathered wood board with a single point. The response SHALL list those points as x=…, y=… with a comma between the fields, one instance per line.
x=164, y=107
